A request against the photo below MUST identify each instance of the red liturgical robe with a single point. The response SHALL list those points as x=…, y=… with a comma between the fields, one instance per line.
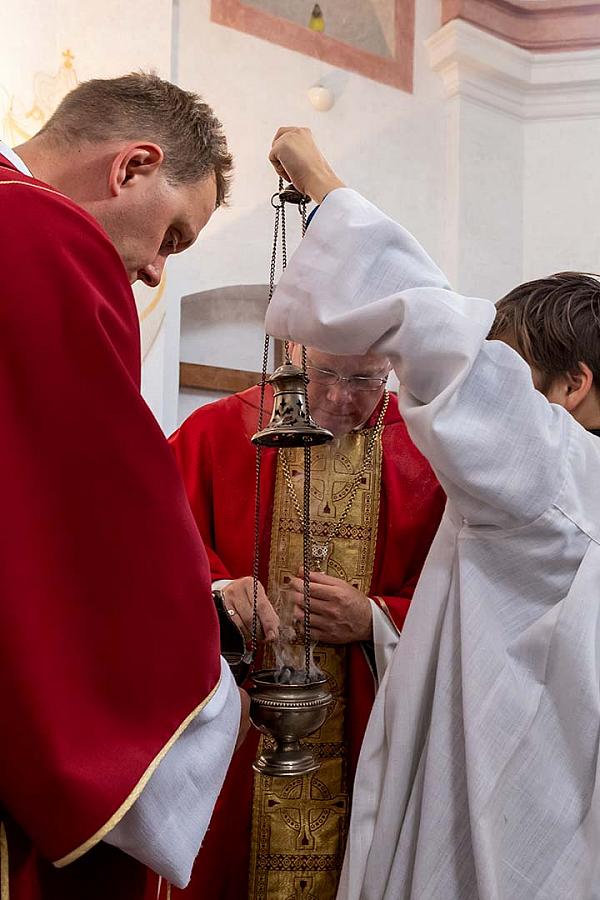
x=217, y=460
x=108, y=638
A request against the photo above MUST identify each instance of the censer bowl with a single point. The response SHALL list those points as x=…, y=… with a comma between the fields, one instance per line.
x=287, y=712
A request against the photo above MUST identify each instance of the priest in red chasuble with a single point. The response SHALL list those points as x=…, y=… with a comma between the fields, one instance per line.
x=118, y=718
x=375, y=508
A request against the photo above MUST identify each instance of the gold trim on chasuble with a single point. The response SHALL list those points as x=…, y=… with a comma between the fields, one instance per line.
x=299, y=825
x=138, y=788
x=4, y=884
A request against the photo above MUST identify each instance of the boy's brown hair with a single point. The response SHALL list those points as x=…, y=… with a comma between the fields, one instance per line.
x=554, y=323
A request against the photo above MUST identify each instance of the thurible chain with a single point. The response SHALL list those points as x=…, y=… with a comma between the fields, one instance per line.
x=280, y=227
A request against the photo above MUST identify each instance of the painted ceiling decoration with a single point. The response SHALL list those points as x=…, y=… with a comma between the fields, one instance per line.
x=540, y=25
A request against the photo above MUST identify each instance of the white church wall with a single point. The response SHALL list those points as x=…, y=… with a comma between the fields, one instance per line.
x=480, y=74
x=105, y=39
x=527, y=177
x=561, y=191
x=448, y=167
x=388, y=144
x=484, y=198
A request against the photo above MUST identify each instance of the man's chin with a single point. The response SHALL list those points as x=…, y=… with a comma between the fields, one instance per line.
x=339, y=426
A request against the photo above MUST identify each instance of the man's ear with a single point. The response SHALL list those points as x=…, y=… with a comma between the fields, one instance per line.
x=577, y=386
x=135, y=161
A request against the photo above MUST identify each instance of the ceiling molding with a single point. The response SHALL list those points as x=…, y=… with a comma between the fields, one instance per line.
x=541, y=25
x=497, y=74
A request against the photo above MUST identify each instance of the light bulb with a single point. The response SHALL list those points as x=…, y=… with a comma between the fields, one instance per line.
x=321, y=98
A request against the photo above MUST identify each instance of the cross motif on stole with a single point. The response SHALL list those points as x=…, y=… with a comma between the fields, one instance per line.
x=346, y=552
x=306, y=805
x=303, y=889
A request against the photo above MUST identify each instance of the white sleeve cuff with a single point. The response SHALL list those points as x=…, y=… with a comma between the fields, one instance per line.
x=166, y=825
x=385, y=638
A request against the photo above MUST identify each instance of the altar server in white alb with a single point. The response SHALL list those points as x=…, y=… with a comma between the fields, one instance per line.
x=478, y=778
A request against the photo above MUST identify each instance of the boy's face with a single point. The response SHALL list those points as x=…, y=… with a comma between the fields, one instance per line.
x=577, y=393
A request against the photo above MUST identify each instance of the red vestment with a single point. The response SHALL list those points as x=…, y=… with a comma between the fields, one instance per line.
x=217, y=461
x=108, y=637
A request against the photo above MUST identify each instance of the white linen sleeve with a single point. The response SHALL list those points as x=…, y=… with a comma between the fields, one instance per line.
x=385, y=639
x=360, y=283
x=166, y=825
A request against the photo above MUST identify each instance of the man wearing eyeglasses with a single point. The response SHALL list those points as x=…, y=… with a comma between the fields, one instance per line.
x=375, y=509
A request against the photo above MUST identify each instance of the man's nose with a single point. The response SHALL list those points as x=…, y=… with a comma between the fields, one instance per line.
x=341, y=390
x=152, y=273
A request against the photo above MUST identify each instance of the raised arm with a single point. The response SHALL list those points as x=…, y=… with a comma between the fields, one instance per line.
x=360, y=283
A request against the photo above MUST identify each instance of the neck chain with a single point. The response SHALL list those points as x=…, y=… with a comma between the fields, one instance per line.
x=321, y=551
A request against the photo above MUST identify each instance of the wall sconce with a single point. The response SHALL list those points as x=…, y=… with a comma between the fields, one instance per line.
x=321, y=98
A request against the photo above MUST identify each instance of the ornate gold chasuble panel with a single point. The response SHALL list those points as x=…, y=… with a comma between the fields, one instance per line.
x=299, y=825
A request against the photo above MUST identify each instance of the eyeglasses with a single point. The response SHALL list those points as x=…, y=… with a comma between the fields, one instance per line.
x=356, y=382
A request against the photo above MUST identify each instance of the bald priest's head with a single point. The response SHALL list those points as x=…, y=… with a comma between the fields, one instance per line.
x=147, y=159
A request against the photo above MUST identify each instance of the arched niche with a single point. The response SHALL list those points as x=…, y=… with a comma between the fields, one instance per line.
x=221, y=343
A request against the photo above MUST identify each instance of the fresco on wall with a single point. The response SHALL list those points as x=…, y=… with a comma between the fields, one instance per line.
x=21, y=117
x=366, y=24
x=374, y=38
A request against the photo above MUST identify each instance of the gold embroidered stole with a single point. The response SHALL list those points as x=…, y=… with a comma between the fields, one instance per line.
x=299, y=825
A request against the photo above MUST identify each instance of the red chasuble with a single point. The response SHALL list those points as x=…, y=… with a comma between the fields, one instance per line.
x=217, y=460
x=108, y=638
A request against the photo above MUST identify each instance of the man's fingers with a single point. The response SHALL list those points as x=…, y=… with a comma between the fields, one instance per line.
x=322, y=578
x=285, y=129
x=277, y=147
x=282, y=146
x=297, y=158
x=322, y=591
x=267, y=617
x=239, y=597
x=274, y=159
x=317, y=607
x=244, y=619
x=235, y=596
